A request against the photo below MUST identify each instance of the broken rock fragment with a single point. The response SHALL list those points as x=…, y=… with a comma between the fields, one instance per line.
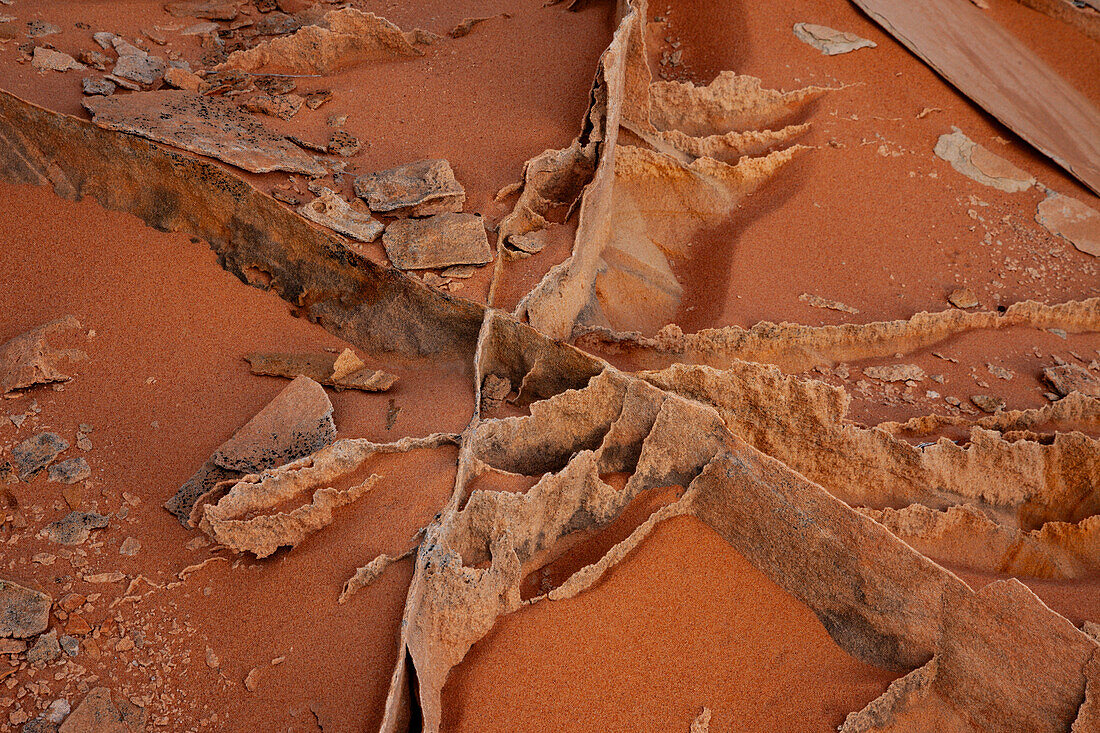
x=329, y=209
x=183, y=79
x=254, y=515
x=70, y=471
x=24, y=612
x=346, y=371
x=203, y=125
x=294, y=424
x=28, y=359
x=49, y=719
x=344, y=144
x=98, y=713
x=463, y=28
x=102, y=87
x=438, y=241
x=137, y=65
x=988, y=403
x=45, y=649
x=830, y=41
x=977, y=163
x=895, y=372
x=963, y=298
x=37, y=452
x=74, y=528
x=818, y=302
x=1071, y=220
x=423, y=188
x=283, y=106
x=1066, y=378
x=47, y=59
x=206, y=9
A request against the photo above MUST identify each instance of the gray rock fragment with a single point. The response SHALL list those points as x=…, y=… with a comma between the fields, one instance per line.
x=988, y=403
x=47, y=59
x=49, y=719
x=24, y=612
x=101, y=87
x=45, y=649
x=36, y=452
x=137, y=65
x=74, y=528
x=70, y=471
x=1066, y=378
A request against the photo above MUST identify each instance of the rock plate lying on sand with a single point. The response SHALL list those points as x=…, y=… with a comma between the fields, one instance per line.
x=438, y=241
x=1072, y=220
x=1066, y=378
x=70, y=471
x=977, y=163
x=330, y=210
x=36, y=452
x=48, y=59
x=97, y=713
x=283, y=106
x=346, y=371
x=23, y=612
x=422, y=188
x=74, y=528
x=830, y=41
x=27, y=359
x=294, y=424
x=203, y=125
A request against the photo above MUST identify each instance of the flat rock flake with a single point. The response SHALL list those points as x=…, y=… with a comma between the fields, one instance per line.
x=204, y=125
x=850, y=520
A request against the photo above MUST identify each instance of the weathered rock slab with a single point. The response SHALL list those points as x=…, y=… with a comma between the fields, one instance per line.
x=438, y=241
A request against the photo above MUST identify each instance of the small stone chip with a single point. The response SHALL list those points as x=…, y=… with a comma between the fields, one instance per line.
x=70, y=471
x=93, y=86
x=963, y=298
x=344, y=144
x=331, y=210
x=988, y=403
x=130, y=546
x=1066, y=378
x=422, y=188
x=47, y=59
x=69, y=645
x=895, y=372
x=283, y=106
